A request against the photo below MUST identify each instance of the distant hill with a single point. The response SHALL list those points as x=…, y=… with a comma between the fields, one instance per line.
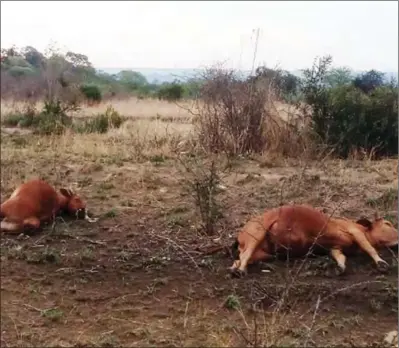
x=169, y=75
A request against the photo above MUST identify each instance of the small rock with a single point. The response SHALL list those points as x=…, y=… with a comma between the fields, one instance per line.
x=163, y=190
x=22, y=236
x=391, y=338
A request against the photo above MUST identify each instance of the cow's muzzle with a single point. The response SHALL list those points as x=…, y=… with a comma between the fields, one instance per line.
x=83, y=214
x=80, y=213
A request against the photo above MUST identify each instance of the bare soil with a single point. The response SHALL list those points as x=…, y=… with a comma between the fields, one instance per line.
x=141, y=276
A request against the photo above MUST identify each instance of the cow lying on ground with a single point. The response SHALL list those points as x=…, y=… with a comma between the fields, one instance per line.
x=35, y=202
x=300, y=228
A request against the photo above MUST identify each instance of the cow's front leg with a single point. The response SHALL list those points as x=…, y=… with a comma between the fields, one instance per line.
x=239, y=267
x=235, y=266
x=366, y=246
x=340, y=258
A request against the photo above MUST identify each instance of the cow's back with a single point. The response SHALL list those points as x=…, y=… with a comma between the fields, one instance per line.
x=297, y=227
x=33, y=198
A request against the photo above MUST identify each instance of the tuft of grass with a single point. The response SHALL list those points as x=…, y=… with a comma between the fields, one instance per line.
x=385, y=201
x=87, y=254
x=53, y=314
x=232, y=302
x=111, y=213
x=48, y=255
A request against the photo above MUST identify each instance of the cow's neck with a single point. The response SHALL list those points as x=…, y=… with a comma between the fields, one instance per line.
x=367, y=234
x=62, y=201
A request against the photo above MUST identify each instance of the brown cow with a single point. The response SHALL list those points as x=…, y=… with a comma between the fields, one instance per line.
x=35, y=202
x=298, y=228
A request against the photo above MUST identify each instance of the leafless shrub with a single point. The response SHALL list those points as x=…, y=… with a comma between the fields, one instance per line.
x=238, y=116
x=202, y=180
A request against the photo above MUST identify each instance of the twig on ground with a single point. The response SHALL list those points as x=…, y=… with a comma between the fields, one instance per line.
x=313, y=321
x=349, y=287
x=178, y=247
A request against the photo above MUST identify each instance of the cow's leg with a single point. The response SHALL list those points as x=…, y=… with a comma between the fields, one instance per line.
x=236, y=264
x=257, y=255
x=246, y=256
x=365, y=245
x=10, y=227
x=239, y=267
x=31, y=225
x=340, y=258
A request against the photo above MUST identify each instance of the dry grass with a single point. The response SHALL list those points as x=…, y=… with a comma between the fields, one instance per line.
x=139, y=108
x=132, y=107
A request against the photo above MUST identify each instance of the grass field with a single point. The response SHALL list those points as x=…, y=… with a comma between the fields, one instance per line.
x=140, y=276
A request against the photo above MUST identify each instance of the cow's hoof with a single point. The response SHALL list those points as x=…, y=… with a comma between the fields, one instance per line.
x=339, y=271
x=237, y=273
x=382, y=266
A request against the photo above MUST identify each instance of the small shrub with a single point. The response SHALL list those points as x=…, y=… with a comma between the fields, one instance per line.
x=232, y=302
x=202, y=181
x=102, y=122
x=91, y=92
x=13, y=120
x=24, y=119
x=53, y=119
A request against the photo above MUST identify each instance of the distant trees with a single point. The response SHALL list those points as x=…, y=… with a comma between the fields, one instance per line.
x=285, y=83
x=351, y=114
x=337, y=77
x=369, y=81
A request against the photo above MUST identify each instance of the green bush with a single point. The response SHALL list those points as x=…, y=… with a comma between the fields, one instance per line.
x=170, y=92
x=91, y=92
x=53, y=119
x=13, y=120
x=24, y=119
x=102, y=122
x=345, y=118
x=18, y=71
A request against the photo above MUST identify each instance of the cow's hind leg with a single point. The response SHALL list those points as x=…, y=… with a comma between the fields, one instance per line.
x=365, y=245
x=31, y=226
x=340, y=258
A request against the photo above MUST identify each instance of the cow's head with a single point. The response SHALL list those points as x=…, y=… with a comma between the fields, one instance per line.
x=381, y=232
x=73, y=204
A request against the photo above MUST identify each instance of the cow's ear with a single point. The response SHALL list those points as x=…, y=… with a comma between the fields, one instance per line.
x=377, y=216
x=66, y=192
x=365, y=222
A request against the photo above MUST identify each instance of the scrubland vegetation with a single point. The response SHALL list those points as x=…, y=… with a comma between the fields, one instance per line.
x=173, y=170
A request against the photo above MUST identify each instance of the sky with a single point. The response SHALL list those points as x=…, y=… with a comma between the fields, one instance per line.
x=361, y=35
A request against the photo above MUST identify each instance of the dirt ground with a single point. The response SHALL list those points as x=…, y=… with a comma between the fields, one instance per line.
x=140, y=275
